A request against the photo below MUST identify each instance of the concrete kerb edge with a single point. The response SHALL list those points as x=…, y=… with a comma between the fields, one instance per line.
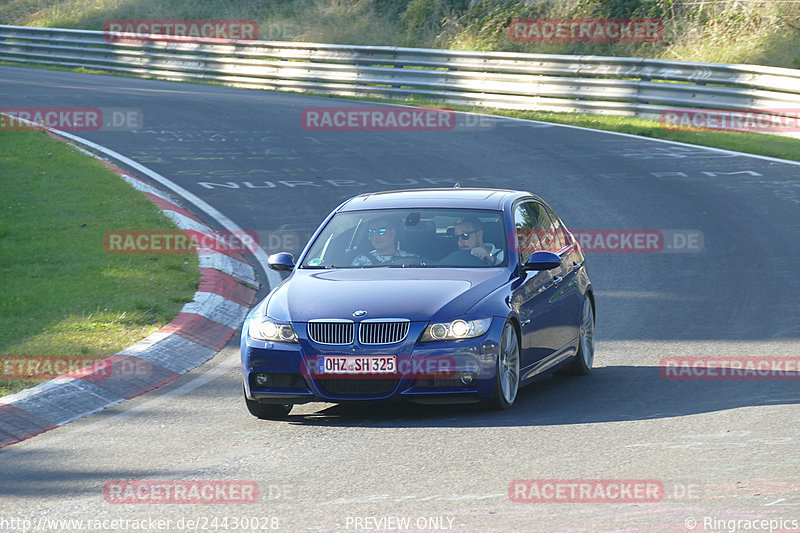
x=154, y=361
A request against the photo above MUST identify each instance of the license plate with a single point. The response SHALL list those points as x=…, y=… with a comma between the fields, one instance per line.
x=357, y=364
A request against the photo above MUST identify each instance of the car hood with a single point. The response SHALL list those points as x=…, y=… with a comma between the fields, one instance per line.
x=417, y=294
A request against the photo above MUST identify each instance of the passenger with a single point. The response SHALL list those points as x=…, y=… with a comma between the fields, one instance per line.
x=469, y=232
x=383, y=236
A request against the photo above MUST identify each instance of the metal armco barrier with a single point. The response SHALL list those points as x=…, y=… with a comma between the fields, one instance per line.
x=634, y=87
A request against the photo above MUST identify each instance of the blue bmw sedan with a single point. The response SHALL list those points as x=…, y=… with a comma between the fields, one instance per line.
x=428, y=295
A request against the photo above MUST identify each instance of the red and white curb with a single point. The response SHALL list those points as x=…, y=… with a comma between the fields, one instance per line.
x=227, y=290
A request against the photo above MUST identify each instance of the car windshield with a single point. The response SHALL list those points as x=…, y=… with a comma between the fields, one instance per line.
x=427, y=238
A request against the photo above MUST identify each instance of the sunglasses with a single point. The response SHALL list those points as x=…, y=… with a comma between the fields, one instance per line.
x=464, y=236
x=377, y=231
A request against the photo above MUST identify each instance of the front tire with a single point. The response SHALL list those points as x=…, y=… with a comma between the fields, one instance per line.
x=507, y=381
x=582, y=365
x=267, y=411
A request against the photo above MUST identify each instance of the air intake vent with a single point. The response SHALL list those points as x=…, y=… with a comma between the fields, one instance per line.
x=382, y=331
x=358, y=387
x=331, y=332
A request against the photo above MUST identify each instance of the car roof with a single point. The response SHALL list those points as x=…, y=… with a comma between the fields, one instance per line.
x=473, y=198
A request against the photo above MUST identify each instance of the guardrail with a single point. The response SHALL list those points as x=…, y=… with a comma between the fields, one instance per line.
x=587, y=84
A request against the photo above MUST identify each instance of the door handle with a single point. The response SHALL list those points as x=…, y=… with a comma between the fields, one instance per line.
x=557, y=280
x=576, y=266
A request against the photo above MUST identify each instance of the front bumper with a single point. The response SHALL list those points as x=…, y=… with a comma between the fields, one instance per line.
x=429, y=372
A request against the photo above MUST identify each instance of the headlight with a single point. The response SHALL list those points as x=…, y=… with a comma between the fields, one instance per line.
x=457, y=329
x=266, y=330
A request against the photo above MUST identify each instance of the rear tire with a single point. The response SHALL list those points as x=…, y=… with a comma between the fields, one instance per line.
x=507, y=380
x=267, y=411
x=582, y=365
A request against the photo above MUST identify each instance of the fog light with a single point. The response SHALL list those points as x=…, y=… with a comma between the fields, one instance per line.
x=262, y=380
x=467, y=378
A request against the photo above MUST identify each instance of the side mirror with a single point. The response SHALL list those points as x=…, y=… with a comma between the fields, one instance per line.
x=542, y=260
x=282, y=262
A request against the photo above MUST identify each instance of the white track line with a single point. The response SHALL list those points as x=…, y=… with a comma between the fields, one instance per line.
x=261, y=256
x=642, y=137
x=584, y=128
x=226, y=364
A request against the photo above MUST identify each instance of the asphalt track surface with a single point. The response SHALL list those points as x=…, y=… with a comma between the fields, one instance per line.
x=722, y=449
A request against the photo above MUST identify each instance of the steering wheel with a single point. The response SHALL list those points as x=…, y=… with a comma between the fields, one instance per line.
x=461, y=258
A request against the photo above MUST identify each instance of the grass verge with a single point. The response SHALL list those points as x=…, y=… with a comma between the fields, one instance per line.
x=63, y=294
x=751, y=143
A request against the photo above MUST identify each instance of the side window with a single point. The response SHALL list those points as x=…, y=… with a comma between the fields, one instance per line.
x=546, y=230
x=559, y=235
x=533, y=228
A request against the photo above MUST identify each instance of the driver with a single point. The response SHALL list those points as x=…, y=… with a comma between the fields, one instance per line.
x=469, y=232
x=383, y=236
